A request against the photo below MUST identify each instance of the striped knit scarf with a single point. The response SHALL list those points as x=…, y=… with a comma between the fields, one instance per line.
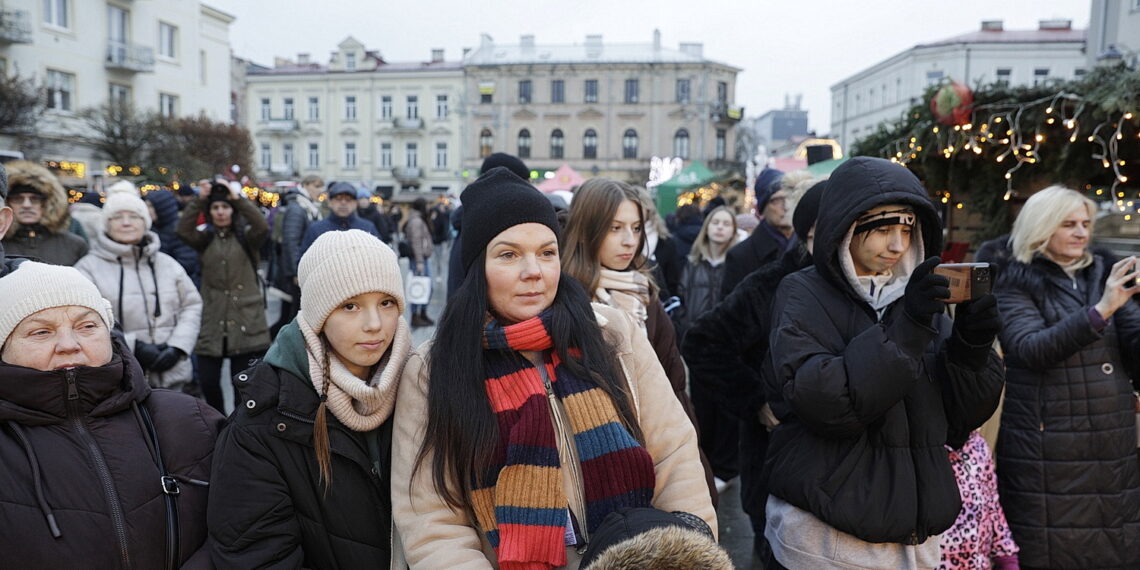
x=519, y=501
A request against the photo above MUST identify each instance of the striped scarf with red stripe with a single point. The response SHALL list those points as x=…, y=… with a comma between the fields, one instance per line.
x=519, y=501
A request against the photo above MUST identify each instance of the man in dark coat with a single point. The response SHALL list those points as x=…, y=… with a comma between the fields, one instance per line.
x=770, y=238
x=726, y=349
x=342, y=216
x=165, y=224
x=871, y=381
x=298, y=211
x=6, y=264
x=41, y=227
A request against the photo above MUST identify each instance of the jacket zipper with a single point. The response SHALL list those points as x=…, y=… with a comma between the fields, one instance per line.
x=117, y=520
x=556, y=411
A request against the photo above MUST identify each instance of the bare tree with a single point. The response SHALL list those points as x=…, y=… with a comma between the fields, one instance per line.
x=21, y=105
x=119, y=133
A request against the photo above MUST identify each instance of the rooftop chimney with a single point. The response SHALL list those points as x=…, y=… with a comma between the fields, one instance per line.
x=656, y=39
x=593, y=45
x=527, y=41
x=302, y=59
x=991, y=25
x=1055, y=24
x=436, y=55
x=692, y=48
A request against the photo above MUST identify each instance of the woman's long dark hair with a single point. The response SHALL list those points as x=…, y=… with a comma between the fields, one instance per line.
x=461, y=427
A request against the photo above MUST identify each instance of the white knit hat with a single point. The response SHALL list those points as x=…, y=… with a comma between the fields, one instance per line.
x=341, y=265
x=33, y=287
x=124, y=187
x=124, y=202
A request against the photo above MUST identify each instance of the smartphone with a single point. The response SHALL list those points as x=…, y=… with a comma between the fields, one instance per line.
x=968, y=281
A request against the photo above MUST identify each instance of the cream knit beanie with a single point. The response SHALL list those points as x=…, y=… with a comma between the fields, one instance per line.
x=123, y=187
x=33, y=287
x=124, y=202
x=341, y=265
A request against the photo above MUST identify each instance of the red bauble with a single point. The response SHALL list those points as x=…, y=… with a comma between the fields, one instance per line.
x=952, y=103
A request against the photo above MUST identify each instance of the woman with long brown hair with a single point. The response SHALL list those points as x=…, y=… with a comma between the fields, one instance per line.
x=301, y=473
x=532, y=416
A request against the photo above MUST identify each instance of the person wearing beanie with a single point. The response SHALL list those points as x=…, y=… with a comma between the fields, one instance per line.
x=158, y=307
x=417, y=233
x=302, y=472
x=83, y=487
x=233, y=313
x=772, y=235
x=520, y=347
x=123, y=187
x=41, y=229
x=455, y=268
x=341, y=200
x=726, y=348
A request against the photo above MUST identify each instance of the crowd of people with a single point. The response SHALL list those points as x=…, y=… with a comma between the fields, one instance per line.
x=597, y=378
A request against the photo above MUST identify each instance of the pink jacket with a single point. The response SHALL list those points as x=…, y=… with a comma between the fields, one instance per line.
x=980, y=538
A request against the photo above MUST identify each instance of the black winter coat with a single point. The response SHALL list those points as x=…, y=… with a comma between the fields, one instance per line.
x=756, y=251
x=873, y=401
x=700, y=291
x=73, y=451
x=1066, y=453
x=268, y=505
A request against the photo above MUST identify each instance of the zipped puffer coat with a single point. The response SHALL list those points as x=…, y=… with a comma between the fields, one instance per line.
x=79, y=486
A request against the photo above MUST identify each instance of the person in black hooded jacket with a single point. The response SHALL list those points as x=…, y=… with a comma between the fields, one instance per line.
x=6, y=264
x=873, y=381
x=726, y=350
x=80, y=482
x=165, y=224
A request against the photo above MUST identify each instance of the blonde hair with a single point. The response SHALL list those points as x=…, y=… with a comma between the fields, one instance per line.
x=702, y=248
x=1041, y=216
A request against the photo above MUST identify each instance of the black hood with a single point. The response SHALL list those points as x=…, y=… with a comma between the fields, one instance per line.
x=857, y=186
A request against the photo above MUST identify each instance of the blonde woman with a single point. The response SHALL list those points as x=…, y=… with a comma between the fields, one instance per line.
x=700, y=286
x=1066, y=453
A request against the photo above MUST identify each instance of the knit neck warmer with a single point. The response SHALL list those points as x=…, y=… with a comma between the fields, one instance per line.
x=361, y=406
x=625, y=290
x=519, y=501
x=312, y=210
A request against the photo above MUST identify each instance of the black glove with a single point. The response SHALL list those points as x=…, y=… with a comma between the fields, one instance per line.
x=146, y=353
x=925, y=291
x=167, y=358
x=977, y=322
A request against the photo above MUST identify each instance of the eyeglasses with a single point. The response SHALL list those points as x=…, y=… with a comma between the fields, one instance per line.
x=34, y=199
x=126, y=217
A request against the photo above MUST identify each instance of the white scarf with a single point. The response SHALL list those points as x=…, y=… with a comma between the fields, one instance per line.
x=361, y=406
x=625, y=290
x=312, y=210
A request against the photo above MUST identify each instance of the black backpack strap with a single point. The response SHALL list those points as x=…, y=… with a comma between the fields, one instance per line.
x=170, y=491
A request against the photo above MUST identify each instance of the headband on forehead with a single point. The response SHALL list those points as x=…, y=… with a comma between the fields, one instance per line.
x=904, y=216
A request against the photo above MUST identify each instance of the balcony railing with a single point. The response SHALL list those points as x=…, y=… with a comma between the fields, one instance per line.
x=723, y=113
x=281, y=125
x=14, y=27
x=406, y=124
x=407, y=174
x=126, y=56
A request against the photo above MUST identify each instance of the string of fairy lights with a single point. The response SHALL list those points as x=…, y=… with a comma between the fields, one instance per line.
x=1016, y=141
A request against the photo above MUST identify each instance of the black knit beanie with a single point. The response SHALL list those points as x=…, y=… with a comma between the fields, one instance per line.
x=496, y=201
x=513, y=163
x=807, y=210
x=219, y=192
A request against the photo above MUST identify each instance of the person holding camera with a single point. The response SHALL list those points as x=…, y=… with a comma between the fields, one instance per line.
x=872, y=380
x=1066, y=452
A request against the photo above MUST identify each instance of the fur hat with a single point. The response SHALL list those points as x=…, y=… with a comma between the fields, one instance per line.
x=341, y=265
x=34, y=286
x=496, y=201
x=3, y=183
x=124, y=186
x=25, y=176
x=125, y=202
x=651, y=538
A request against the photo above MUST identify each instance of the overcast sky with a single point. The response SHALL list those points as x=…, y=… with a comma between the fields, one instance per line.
x=785, y=46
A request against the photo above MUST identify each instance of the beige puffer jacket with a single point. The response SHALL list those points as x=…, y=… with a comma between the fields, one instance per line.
x=435, y=536
x=153, y=298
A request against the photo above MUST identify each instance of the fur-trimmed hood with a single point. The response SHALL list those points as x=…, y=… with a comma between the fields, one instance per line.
x=663, y=548
x=24, y=173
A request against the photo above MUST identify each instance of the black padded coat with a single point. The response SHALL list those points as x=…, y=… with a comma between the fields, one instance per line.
x=870, y=401
x=1066, y=453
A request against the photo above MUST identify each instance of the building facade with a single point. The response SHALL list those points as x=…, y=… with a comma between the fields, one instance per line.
x=886, y=90
x=166, y=55
x=604, y=109
x=392, y=127
x=779, y=126
x=1114, y=32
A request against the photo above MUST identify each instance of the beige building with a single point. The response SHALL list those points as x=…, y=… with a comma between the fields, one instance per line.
x=389, y=126
x=167, y=55
x=604, y=109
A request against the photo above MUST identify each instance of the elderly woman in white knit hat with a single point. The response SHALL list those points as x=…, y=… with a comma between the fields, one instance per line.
x=302, y=471
x=96, y=464
x=158, y=306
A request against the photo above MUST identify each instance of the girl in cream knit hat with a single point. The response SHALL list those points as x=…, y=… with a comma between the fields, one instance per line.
x=302, y=470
